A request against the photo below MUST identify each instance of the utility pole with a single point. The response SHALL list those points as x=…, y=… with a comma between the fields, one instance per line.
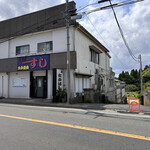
x=142, y=98
x=68, y=54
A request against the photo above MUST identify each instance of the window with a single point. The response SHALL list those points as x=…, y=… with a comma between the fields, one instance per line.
x=45, y=47
x=111, y=82
x=82, y=83
x=22, y=50
x=94, y=56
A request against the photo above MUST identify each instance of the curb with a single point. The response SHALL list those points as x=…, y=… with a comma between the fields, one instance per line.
x=71, y=106
x=52, y=105
x=127, y=112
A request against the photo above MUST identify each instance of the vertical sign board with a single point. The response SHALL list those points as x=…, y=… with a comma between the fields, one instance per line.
x=31, y=63
x=59, y=79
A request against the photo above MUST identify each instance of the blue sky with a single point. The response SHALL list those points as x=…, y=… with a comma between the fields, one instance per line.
x=134, y=20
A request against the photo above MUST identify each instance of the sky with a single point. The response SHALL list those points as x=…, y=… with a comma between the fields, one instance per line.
x=134, y=20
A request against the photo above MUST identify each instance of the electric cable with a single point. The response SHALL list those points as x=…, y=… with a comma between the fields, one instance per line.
x=105, y=42
x=87, y=6
x=122, y=35
x=99, y=2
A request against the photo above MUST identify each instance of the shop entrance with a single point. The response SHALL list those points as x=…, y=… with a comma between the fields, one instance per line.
x=38, y=87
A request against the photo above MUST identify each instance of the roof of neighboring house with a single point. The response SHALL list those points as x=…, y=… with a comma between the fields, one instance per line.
x=121, y=82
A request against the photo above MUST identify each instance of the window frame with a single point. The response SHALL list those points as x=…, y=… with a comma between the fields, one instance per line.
x=19, y=48
x=94, y=56
x=50, y=47
x=111, y=82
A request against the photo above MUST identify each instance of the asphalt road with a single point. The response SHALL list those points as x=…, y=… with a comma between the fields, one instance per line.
x=46, y=128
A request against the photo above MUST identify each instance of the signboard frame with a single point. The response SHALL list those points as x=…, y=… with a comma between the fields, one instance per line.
x=31, y=63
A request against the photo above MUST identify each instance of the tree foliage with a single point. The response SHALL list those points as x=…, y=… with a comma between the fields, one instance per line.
x=146, y=75
x=132, y=79
x=131, y=88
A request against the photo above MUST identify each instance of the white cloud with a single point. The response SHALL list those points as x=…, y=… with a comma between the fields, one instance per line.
x=135, y=23
x=13, y=8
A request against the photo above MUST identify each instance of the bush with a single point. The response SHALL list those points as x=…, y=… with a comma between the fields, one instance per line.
x=88, y=101
x=147, y=86
x=131, y=88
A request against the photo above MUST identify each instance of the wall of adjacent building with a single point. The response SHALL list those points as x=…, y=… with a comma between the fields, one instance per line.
x=84, y=65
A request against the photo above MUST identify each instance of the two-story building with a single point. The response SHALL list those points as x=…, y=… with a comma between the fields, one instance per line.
x=33, y=56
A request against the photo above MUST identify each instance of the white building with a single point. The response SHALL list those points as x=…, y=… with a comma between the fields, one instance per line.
x=33, y=56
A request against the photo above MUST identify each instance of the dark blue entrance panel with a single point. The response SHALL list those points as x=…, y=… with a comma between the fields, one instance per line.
x=31, y=63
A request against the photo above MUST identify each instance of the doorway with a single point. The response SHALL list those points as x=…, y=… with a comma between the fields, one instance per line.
x=38, y=86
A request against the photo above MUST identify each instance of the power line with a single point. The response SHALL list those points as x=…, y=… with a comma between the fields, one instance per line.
x=87, y=6
x=122, y=35
x=99, y=2
x=105, y=42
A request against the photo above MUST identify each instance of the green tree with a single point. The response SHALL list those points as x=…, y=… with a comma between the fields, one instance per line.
x=131, y=88
x=122, y=76
x=146, y=75
x=146, y=67
x=133, y=79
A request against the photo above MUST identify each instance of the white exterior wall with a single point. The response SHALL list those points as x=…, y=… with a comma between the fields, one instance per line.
x=59, y=40
x=4, y=50
x=3, y=85
x=82, y=44
x=19, y=92
x=84, y=65
x=58, y=36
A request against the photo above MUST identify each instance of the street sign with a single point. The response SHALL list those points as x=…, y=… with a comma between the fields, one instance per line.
x=134, y=105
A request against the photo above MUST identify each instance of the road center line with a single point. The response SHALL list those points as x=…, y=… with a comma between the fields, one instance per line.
x=81, y=127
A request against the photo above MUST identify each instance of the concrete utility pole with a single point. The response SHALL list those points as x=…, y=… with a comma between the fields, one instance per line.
x=68, y=53
x=142, y=99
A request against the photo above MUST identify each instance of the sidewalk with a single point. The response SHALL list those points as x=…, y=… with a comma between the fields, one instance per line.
x=121, y=108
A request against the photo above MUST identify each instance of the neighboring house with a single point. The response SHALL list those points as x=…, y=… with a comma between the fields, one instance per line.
x=120, y=91
x=33, y=56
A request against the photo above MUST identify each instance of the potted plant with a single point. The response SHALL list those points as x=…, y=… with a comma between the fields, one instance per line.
x=61, y=95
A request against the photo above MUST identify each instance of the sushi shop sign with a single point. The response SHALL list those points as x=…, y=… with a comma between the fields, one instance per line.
x=30, y=63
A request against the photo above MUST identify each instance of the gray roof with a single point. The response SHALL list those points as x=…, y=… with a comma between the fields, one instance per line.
x=46, y=19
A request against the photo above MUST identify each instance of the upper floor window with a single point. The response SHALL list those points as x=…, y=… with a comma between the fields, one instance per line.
x=22, y=50
x=45, y=46
x=111, y=82
x=94, y=56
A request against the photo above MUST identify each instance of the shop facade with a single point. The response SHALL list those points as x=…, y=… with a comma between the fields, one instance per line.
x=33, y=64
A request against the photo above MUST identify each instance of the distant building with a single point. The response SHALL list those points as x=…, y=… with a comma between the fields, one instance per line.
x=33, y=56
